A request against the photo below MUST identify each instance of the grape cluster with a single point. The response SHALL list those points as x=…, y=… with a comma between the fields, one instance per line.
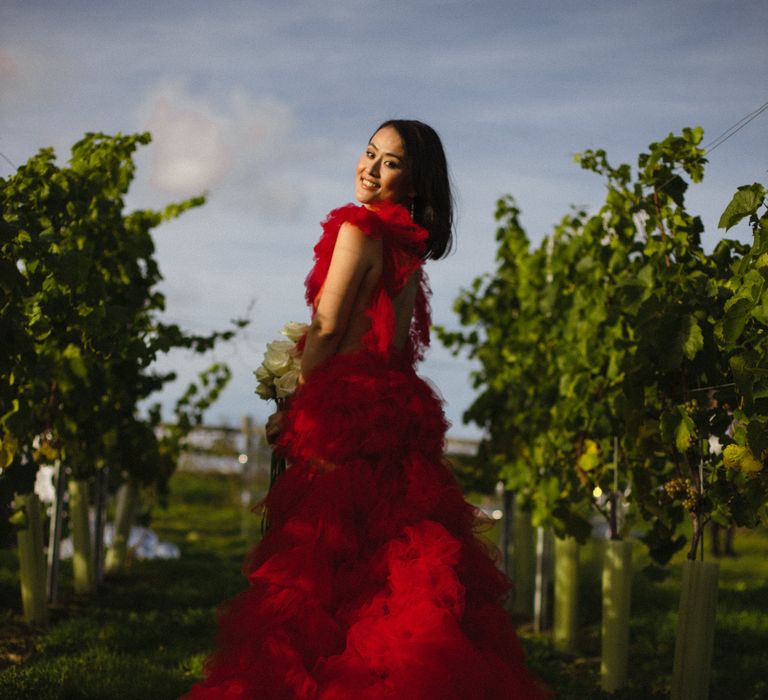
x=684, y=491
x=691, y=407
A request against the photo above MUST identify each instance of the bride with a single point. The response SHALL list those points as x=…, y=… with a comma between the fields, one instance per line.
x=370, y=582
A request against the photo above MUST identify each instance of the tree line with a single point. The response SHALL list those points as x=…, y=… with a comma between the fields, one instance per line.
x=81, y=325
x=623, y=369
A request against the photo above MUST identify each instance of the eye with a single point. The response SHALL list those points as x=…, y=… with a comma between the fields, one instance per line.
x=393, y=164
x=369, y=154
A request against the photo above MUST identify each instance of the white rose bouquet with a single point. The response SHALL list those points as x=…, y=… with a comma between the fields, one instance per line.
x=277, y=378
x=278, y=374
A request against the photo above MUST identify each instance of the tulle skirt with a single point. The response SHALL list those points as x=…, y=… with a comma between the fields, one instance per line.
x=371, y=582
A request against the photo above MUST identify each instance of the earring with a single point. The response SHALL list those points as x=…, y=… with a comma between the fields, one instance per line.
x=411, y=210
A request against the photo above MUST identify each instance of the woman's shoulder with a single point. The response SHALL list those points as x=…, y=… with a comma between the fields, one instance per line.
x=355, y=215
x=385, y=220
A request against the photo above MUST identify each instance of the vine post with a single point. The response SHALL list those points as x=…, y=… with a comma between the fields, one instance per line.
x=29, y=538
x=617, y=588
x=695, y=636
x=82, y=546
x=126, y=507
x=523, y=568
x=566, y=608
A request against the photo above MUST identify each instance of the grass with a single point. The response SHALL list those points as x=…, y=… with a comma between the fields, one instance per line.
x=145, y=634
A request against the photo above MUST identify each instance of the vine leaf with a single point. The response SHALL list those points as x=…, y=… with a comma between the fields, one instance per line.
x=691, y=337
x=745, y=202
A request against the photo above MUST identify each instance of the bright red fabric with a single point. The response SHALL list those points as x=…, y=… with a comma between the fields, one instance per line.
x=370, y=583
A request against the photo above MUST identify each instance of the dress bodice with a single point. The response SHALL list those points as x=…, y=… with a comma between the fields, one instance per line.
x=403, y=244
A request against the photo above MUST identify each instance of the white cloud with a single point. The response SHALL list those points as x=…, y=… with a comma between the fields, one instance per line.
x=190, y=155
x=238, y=148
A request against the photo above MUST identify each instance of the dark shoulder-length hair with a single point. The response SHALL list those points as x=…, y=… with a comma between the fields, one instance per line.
x=433, y=201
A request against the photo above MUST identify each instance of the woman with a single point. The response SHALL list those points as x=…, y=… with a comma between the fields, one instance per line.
x=370, y=582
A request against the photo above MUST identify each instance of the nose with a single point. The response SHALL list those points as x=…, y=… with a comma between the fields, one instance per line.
x=373, y=166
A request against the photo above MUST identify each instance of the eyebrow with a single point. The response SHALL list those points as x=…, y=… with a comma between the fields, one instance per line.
x=394, y=155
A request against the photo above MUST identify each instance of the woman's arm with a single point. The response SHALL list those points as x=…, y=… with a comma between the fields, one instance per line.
x=352, y=259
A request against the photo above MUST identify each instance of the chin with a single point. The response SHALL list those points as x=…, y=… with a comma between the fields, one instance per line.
x=366, y=197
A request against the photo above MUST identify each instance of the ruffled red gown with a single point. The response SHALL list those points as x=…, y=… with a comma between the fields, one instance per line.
x=370, y=583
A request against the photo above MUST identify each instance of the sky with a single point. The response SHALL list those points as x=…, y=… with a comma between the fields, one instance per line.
x=265, y=106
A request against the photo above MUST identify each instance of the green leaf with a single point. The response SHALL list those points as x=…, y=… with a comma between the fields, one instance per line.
x=73, y=354
x=732, y=325
x=685, y=432
x=745, y=202
x=8, y=448
x=677, y=427
x=757, y=436
x=742, y=375
x=590, y=458
x=691, y=338
x=760, y=312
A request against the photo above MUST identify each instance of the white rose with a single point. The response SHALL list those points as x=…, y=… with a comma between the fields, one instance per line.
x=278, y=358
x=262, y=373
x=265, y=391
x=281, y=345
x=286, y=385
x=294, y=330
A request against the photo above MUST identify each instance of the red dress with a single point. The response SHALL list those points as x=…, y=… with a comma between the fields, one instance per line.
x=370, y=583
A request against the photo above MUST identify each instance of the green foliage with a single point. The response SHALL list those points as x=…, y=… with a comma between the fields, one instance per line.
x=611, y=354
x=745, y=202
x=79, y=315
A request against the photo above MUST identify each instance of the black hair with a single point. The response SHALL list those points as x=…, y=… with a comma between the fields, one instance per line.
x=433, y=201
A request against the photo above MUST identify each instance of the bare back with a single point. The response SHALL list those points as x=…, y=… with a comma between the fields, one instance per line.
x=403, y=305
x=341, y=303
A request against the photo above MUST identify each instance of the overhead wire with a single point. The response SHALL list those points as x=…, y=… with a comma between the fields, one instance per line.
x=733, y=130
x=722, y=138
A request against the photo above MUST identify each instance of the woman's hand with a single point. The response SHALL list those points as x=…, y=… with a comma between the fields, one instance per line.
x=274, y=426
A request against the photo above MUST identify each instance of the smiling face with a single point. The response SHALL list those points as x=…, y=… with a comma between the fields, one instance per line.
x=382, y=172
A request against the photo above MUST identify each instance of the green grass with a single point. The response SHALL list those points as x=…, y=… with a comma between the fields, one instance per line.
x=146, y=633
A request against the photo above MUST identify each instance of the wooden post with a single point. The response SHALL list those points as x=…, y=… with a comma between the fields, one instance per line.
x=32, y=568
x=566, y=594
x=54, y=536
x=695, y=631
x=617, y=591
x=80, y=527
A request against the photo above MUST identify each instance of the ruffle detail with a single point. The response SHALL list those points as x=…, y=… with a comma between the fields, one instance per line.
x=371, y=583
x=357, y=408
x=346, y=605
x=388, y=221
x=404, y=244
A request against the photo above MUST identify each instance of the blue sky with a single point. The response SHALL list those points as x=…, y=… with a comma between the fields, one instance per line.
x=266, y=106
